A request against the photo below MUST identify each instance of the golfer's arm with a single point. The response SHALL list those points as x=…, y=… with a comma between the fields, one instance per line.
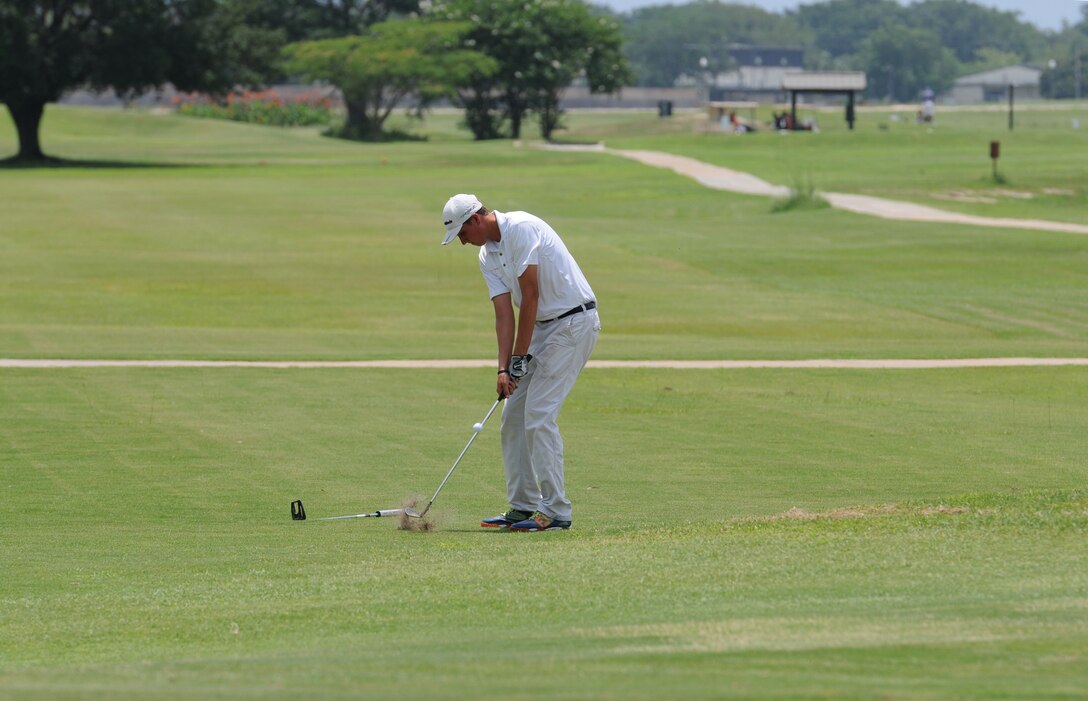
x=530, y=294
x=504, y=328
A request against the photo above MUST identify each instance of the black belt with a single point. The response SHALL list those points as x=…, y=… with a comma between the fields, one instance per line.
x=577, y=310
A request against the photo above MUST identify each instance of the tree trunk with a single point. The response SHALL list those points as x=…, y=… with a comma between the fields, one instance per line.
x=515, y=111
x=480, y=113
x=550, y=115
x=358, y=125
x=28, y=119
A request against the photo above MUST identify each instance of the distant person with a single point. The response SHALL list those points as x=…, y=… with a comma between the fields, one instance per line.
x=737, y=125
x=524, y=262
x=928, y=107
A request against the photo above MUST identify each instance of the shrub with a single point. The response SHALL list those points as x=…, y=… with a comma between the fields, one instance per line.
x=802, y=195
x=263, y=107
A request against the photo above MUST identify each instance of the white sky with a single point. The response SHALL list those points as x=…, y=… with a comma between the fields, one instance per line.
x=1046, y=14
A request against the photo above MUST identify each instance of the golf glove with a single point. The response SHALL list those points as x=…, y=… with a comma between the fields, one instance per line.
x=519, y=366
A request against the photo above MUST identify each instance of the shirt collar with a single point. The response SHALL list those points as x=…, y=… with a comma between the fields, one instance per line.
x=501, y=220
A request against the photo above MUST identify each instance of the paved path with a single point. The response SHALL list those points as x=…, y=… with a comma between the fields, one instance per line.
x=859, y=364
x=720, y=178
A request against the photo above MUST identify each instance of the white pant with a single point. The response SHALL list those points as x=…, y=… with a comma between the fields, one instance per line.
x=532, y=449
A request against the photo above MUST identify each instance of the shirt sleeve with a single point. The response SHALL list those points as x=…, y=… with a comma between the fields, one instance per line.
x=495, y=284
x=525, y=247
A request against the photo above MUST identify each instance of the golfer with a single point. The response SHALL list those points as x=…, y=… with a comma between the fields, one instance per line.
x=541, y=354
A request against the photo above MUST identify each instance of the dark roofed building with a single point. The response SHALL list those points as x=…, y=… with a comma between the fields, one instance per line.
x=783, y=57
x=758, y=75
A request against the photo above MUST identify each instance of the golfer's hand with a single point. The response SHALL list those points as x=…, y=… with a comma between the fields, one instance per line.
x=504, y=385
x=519, y=366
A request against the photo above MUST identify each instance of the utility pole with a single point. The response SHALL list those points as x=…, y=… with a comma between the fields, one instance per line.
x=1076, y=69
x=1011, y=89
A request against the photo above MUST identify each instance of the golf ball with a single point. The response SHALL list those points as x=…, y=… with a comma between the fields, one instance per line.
x=477, y=427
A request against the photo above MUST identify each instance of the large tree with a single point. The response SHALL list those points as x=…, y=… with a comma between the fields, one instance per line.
x=901, y=62
x=579, y=44
x=664, y=42
x=841, y=26
x=389, y=62
x=540, y=48
x=967, y=28
x=48, y=48
x=303, y=20
x=1067, y=62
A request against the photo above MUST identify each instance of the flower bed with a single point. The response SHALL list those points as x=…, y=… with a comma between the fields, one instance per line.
x=260, y=107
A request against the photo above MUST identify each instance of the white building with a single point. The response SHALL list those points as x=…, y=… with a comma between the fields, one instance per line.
x=993, y=86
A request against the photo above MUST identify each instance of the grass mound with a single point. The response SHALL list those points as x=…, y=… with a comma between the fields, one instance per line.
x=803, y=196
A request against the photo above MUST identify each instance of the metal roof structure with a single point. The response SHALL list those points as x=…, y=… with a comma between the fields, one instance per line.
x=1009, y=75
x=841, y=82
x=824, y=82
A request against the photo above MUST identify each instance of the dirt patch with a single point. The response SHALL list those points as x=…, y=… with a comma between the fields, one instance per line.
x=964, y=197
x=945, y=510
x=858, y=512
x=1015, y=194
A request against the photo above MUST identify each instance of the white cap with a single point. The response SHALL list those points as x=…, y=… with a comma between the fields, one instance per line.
x=456, y=212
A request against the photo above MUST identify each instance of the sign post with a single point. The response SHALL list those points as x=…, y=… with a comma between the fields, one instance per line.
x=1011, y=89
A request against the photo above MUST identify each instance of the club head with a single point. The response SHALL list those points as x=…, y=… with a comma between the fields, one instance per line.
x=298, y=513
x=412, y=513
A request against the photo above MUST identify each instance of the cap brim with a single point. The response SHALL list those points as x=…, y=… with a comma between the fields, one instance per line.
x=455, y=227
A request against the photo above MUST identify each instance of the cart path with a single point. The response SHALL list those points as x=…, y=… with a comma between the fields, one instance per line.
x=850, y=364
x=720, y=178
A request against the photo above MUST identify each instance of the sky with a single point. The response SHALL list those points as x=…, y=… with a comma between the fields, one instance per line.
x=1045, y=14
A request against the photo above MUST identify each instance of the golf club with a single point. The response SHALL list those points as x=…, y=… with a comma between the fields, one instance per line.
x=476, y=429
x=298, y=513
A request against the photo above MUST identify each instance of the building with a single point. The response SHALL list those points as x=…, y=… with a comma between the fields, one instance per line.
x=758, y=75
x=847, y=83
x=993, y=86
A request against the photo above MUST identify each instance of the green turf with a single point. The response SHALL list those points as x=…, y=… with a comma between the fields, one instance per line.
x=1043, y=171
x=763, y=534
x=341, y=260
x=152, y=519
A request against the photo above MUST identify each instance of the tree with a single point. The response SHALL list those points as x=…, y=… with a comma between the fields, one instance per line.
x=1066, y=61
x=392, y=61
x=1059, y=78
x=579, y=44
x=540, y=48
x=988, y=59
x=841, y=26
x=47, y=48
x=664, y=42
x=901, y=62
x=305, y=20
x=967, y=28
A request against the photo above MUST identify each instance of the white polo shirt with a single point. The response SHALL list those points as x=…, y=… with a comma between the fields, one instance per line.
x=528, y=240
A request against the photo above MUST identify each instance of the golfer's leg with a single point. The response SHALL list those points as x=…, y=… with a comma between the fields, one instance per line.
x=521, y=488
x=563, y=356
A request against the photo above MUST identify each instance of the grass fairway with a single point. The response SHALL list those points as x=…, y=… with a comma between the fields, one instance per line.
x=758, y=534
x=156, y=559
x=1043, y=172
x=339, y=258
